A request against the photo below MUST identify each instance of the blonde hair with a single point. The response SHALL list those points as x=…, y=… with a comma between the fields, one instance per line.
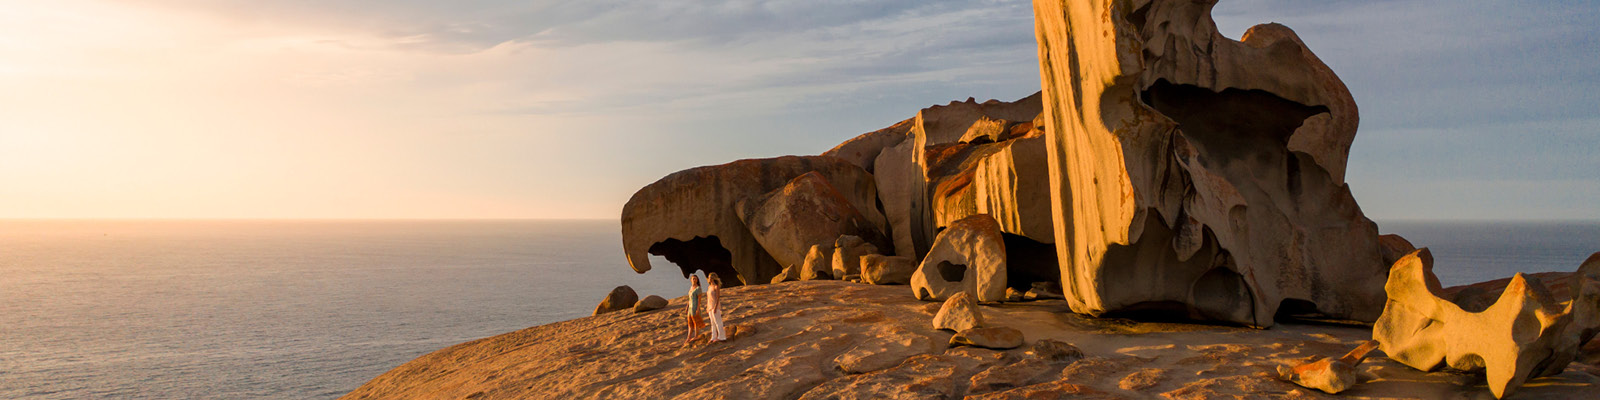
x=712, y=277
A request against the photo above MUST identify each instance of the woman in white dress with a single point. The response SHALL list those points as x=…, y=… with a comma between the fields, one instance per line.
x=714, y=307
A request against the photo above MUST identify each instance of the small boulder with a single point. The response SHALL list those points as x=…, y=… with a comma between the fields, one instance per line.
x=1327, y=374
x=1013, y=295
x=789, y=273
x=959, y=313
x=650, y=303
x=877, y=269
x=817, y=266
x=998, y=338
x=1044, y=290
x=968, y=256
x=847, y=252
x=621, y=298
x=1055, y=351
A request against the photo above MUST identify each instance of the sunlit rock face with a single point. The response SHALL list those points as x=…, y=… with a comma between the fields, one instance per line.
x=1197, y=174
x=1527, y=331
x=965, y=145
x=691, y=217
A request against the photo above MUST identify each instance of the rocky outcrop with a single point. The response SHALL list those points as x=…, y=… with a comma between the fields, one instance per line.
x=863, y=150
x=1006, y=180
x=879, y=269
x=621, y=298
x=969, y=256
x=689, y=217
x=800, y=352
x=969, y=129
x=1198, y=173
x=806, y=212
x=1526, y=333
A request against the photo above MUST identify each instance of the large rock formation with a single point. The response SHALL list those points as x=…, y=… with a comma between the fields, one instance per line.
x=806, y=212
x=689, y=217
x=968, y=144
x=1526, y=333
x=1199, y=174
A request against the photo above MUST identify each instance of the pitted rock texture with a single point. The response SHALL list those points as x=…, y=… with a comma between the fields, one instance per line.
x=1197, y=173
x=1525, y=333
x=806, y=212
x=969, y=256
x=689, y=217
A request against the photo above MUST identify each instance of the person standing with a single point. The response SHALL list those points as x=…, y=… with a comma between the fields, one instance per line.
x=694, y=309
x=714, y=307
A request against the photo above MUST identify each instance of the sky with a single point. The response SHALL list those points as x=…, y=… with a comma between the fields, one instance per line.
x=546, y=109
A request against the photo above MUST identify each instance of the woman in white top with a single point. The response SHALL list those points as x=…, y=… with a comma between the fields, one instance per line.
x=714, y=307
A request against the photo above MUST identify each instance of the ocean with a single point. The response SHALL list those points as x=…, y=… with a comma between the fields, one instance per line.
x=312, y=309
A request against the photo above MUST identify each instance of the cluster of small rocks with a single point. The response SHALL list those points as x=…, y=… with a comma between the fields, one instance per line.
x=623, y=297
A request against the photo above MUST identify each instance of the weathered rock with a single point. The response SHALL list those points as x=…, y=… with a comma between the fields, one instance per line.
x=789, y=274
x=1049, y=390
x=1526, y=333
x=1192, y=170
x=863, y=150
x=1143, y=379
x=818, y=264
x=847, y=252
x=1055, y=351
x=638, y=356
x=689, y=217
x=969, y=256
x=804, y=213
x=1391, y=247
x=1327, y=374
x=959, y=313
x=882, y=351
x=1002, y=377
x=1043, y=290
x=996, y=337
x=877, y=269
x=903, y=170
x=620, y=298
x=903, y=189
x=650, y=303
x=925, y=376
x=1007, y=180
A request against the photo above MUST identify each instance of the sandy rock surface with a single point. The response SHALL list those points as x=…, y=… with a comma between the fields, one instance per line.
x=832, y=339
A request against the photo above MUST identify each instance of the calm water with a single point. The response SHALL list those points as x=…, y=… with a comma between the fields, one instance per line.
x=251, y=309
x=254, y=309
